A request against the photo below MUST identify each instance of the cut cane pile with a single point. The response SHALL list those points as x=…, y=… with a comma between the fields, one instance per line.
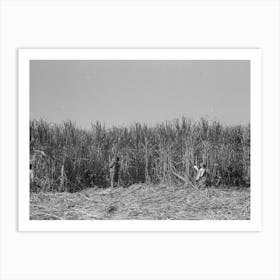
x=143, y=202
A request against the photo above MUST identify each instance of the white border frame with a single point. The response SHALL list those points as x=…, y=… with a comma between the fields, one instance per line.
x=254, y=55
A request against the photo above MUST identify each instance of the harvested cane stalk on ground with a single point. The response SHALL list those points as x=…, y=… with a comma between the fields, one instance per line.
x=143, y=202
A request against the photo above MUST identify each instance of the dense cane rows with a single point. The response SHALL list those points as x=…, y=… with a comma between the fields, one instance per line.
x=64, y=157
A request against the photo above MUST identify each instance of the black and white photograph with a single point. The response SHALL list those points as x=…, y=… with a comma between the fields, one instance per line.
x=165, y=138
x=140, y=140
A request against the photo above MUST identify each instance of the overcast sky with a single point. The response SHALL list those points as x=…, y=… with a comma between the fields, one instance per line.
x=122, y=92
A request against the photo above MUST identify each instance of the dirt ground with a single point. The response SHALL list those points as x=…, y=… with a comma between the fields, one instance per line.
x=143, y=202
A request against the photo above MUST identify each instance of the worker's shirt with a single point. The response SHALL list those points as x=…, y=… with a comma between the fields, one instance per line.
x=114, y=167
x=31, y=175
x=201, y=172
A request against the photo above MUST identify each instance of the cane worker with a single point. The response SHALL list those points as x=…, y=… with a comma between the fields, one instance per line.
x=202, y=177
x=114, y=171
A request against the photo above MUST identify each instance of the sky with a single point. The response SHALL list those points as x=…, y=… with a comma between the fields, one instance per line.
x=123, y=92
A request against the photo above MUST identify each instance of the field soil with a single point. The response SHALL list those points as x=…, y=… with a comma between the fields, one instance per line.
x=143, y=202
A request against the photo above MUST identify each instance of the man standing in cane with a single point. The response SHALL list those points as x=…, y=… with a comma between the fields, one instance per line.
x=114, y=171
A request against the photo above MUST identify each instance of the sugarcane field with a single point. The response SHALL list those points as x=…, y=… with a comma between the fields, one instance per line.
x=125, y=139
x=71, y=177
